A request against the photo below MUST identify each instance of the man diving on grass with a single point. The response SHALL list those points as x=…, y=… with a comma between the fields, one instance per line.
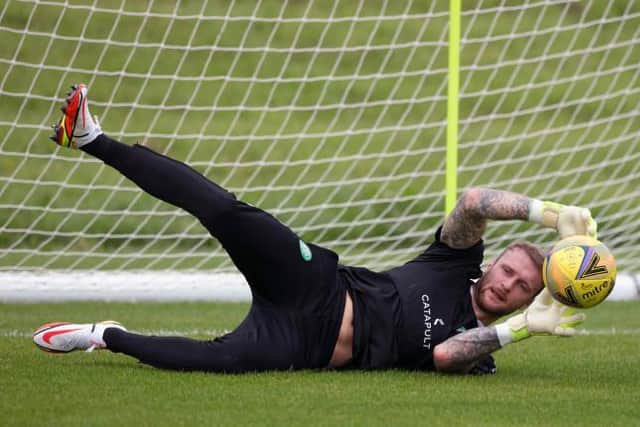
x=308, y=311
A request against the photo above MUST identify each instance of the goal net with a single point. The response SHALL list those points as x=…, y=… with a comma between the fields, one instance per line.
x=332, y=116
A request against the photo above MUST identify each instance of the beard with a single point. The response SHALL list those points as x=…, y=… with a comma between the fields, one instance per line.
x=478, y=291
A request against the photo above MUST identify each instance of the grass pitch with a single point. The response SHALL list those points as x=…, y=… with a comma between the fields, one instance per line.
x=591, y=379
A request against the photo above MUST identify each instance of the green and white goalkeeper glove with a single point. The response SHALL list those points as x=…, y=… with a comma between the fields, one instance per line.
x=545, y=316
x=567, y=220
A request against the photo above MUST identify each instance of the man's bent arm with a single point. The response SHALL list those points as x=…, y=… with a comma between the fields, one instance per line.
x=460, y=353
x=466, y=224
x=544, y=316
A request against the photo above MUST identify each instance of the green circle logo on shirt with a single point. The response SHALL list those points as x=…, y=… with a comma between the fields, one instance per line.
x=305, y=252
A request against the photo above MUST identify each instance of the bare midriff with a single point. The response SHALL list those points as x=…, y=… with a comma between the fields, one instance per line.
x=343, y=351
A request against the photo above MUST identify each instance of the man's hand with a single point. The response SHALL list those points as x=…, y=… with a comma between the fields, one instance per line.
x=567, y=220
x=548, y=316
x=544, y=316
x=573, y=220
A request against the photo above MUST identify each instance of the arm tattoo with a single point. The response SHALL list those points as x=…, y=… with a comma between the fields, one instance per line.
x=503, y=205
x=464, y=350
x=466, y=224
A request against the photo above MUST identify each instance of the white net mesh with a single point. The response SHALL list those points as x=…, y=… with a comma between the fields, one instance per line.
x=329, y=115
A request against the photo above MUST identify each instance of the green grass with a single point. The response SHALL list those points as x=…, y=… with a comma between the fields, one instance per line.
x=586, y=380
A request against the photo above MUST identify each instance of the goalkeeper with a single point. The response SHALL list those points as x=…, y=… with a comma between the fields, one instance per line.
x=310, y=312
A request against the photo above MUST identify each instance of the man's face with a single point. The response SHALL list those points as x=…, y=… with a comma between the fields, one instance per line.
x=510, y=283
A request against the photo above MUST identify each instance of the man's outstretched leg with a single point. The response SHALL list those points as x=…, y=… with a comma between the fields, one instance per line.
x=160, y=176
x=298, y=303
x=269, y=254
x=268, y=339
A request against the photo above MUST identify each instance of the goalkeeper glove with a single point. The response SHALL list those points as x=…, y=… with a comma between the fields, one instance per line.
x=567, y=220
x=544, y=316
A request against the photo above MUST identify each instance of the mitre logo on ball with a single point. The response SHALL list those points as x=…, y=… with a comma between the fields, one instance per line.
x=579, y=271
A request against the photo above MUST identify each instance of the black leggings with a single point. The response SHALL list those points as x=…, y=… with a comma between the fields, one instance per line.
x=298, y=300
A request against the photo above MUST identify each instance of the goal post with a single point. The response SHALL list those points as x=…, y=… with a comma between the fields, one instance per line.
x=453, y=82
x=332, y=116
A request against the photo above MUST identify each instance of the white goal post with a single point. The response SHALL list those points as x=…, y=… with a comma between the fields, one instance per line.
x=330, y=115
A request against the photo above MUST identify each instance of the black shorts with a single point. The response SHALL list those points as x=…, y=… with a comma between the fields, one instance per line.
x=298, y=301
